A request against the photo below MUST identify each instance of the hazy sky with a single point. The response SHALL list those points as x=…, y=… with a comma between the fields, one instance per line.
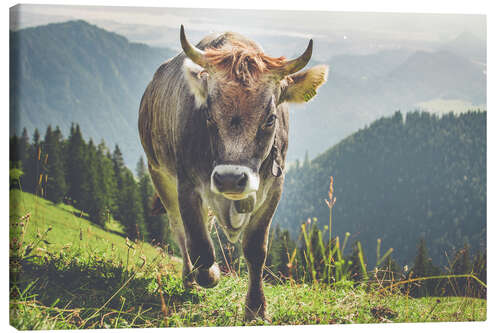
x=145, y=24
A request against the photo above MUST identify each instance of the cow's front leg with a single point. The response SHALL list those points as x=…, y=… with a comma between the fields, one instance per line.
x=201, y=251
x=187, y=268
x=166, y=187
x=255, y=252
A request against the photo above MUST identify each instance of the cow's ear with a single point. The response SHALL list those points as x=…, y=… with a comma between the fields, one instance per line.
x=196, y=77
x=302, y=86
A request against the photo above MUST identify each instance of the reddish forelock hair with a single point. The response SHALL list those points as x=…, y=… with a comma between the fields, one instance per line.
x=242, y=63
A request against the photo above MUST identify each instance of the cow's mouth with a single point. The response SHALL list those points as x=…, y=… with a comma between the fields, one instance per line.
x=235, y=196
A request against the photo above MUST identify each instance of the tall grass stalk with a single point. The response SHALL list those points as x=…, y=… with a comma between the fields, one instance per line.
x=362, y=261
x=330, y=202
x=308, y=253
x=334, y=267
x=436, y=277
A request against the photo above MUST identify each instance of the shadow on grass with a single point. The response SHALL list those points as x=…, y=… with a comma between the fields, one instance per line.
x=85, y=216
x=69, y=282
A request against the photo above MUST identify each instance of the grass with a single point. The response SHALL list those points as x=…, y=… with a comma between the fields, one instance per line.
x=71, y=230
x=59, y=281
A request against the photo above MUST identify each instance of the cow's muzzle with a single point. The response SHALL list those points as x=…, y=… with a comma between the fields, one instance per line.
x=234, y=182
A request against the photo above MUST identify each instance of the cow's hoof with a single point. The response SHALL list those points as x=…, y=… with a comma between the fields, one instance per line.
x=189, y=284
x=251, y=315
x=188, y=277
x=208, y=278
x=255, y=305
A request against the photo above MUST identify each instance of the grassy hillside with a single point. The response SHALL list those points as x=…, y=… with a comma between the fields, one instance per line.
x=60, y=280
x=70, y=230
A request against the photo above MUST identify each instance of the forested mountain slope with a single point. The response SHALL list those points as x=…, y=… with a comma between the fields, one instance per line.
x=75, y=72
x=399, y=180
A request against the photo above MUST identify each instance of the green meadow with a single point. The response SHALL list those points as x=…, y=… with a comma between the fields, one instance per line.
x=68, y=273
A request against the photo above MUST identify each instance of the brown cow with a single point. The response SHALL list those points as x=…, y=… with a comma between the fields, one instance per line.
x=214, y=125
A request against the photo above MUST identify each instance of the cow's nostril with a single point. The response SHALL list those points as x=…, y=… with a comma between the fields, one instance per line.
x=242, y=181
x=230, y=180
x=217, y=179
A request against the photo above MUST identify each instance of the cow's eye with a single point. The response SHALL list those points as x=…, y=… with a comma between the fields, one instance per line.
x=271, y=120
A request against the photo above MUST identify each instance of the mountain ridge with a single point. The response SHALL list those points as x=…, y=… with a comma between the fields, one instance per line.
x=77, y=72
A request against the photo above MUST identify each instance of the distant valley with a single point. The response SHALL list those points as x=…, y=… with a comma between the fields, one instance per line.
x=77, y=72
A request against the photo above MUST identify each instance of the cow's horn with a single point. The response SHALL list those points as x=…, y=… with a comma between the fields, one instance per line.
x=295, y=65
x=191, y=51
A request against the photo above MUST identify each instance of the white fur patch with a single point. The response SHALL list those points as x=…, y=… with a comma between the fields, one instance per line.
x=252, y=184
x=196, y=77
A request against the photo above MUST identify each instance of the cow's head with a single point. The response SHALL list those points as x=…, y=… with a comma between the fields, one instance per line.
x=238, y=89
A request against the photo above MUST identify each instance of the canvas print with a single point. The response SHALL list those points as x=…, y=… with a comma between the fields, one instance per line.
x=176, y=167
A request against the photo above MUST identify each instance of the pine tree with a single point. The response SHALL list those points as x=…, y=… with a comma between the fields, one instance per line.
x=56, y=186
x=106, y=178
x=23, y=155
x=15, y=164
x=141, y=169
x=23, y=147
x=157, y=225
x=75, y=166
x=33, y=165
x=307, y=162
x=14, y=157
x=421, y=263
x=118, y=172
x=118, y=166
x=423, y=267
x=93, y=198
x=130, y=207
x=462, y=265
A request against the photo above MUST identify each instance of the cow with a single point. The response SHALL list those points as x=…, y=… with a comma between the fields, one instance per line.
x=213, y=123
